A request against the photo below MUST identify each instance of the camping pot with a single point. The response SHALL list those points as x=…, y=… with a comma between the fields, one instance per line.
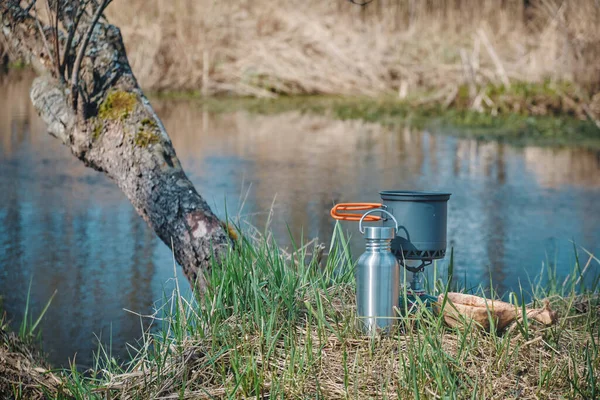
x=377, y=276
x=421, y=233
x=423, y=217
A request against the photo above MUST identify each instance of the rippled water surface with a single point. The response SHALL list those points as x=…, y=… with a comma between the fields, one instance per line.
x=67, y=228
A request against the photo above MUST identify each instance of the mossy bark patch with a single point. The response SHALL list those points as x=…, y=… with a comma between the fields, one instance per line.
x=118, y=105
x=144, y=138
x=147, y=133
x=149, y=123
x=98, y=126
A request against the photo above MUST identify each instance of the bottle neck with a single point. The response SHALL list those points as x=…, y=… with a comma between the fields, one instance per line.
x=378, y=245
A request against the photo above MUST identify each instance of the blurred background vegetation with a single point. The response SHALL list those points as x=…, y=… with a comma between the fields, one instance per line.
x=534, y=56
x=429, y=49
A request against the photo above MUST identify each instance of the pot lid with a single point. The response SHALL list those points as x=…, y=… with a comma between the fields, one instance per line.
x=411, y=195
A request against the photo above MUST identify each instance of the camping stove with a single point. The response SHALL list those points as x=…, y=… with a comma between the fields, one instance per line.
x=421, y=231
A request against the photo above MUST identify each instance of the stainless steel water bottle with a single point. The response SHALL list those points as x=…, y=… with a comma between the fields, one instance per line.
x=377, y=277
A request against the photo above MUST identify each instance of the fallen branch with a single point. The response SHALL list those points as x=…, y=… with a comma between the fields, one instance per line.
x=463, y=309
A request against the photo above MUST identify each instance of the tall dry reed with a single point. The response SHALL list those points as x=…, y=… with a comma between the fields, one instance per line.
x=400, y=47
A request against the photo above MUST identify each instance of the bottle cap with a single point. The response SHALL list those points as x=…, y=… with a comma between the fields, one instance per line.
x=379, y=232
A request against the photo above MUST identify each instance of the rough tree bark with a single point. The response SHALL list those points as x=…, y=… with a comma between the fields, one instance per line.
x=112, y=127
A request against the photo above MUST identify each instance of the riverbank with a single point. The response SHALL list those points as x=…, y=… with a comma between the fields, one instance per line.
x=547, y=114
x=24, y=373
x=476, y=59
x=529, y=114
x=276, y=324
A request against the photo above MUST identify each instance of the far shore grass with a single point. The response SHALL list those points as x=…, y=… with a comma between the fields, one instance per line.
x=544, y=114
x=281, y=325
x=525, y=114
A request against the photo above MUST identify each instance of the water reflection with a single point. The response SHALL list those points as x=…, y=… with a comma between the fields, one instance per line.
x=558, y=168
x=67, y=228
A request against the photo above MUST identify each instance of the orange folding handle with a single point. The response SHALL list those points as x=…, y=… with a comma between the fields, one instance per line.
x=336, y=214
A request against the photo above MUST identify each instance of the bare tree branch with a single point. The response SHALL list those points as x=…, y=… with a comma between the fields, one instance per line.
x=56, y=56
x=71, y=35
x=80, y=54
x=43, y=34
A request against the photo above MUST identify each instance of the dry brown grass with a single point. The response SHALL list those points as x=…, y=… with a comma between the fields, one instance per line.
x=23, y=373
x=333, y=47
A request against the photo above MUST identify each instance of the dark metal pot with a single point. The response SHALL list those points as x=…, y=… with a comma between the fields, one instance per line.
x=422, y=218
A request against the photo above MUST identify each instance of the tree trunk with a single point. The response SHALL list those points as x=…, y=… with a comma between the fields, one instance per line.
x=113, y=127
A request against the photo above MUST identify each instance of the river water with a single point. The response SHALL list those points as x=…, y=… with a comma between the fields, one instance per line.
x=67, y=228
